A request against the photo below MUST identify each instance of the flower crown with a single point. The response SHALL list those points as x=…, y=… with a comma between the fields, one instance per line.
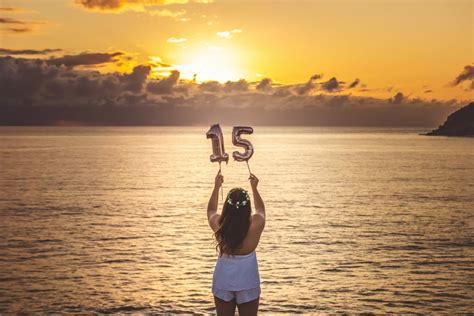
x=238, y=203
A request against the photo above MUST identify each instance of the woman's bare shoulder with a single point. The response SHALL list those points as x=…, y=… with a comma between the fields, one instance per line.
x=257, y=218
x=257, y=222
x=250, y=243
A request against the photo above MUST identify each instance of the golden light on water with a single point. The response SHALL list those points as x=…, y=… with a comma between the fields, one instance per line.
x=115, y=218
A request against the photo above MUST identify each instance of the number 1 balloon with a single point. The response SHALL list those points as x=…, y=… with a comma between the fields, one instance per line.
x=218, y=151
x=237, y=141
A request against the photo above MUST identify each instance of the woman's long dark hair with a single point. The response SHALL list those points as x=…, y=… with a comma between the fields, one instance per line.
x=234, y=222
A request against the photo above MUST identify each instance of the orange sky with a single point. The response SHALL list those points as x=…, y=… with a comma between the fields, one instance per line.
x=417, y=47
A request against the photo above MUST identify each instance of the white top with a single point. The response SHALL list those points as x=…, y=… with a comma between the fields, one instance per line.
x=236, y=273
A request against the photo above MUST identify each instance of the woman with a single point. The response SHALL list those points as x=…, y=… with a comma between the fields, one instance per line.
x=236, y=280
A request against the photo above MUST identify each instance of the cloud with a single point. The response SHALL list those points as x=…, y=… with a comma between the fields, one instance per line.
x=241, y=85
x=5, y=51
x=306, y=88
x=224, y=34
x=135, y=80
x=118, y=6
x=354, y=83
x=228, y=34
x=397, y=98
x=176, y=40
x=37, y=81
x=338, y=101
x=36, y=91
x=264, y=85
x=164, y=85
x=210, y=86
x=167, y=13
x=466, y=75
x=156, y=61
x=13, y=10
x=11, y=21
x=330, y=85
x=11, y=26
x=85, y=59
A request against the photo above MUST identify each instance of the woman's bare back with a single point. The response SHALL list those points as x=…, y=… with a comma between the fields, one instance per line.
x=250, y=243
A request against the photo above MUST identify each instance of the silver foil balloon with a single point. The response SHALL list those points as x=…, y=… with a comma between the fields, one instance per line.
x=237, y=141
x=218, y=151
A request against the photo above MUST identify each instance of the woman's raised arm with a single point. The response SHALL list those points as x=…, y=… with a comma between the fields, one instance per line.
x=212, y=215
x=257, y=199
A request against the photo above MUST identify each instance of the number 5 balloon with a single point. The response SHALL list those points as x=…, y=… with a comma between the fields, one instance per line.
x=237, y=141
x=218, y=151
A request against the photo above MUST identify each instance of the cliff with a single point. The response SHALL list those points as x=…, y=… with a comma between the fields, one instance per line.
x=459, y=123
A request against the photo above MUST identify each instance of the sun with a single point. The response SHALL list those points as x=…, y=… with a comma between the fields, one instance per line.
x=211, y=62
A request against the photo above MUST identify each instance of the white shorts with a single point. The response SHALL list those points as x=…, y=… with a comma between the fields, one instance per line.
x=240, y=296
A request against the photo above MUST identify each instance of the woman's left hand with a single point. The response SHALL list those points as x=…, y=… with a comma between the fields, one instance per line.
x=219, y=180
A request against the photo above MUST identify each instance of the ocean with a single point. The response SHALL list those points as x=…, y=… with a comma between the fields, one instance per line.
x=113, y=219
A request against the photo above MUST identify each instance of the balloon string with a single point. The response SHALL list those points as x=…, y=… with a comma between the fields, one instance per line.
x=248, y=166
x=222, y=190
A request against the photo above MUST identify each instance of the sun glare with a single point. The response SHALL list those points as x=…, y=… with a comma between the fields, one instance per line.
x=211, y=63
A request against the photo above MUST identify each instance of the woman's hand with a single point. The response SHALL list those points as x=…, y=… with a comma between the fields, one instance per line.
x=257, y=199
x=213, y=202
x=253, y=181
x=219, y=180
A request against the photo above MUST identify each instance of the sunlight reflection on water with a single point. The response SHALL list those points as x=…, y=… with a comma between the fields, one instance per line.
x=113, y=220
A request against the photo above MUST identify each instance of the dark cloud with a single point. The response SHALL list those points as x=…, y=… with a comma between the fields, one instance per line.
x=5, y=51
x=241, y=85
x=338, y=101
x=159, y=64
x=397, y=98
x=11, y=26
x=12, y=21
x=85, y=59
x=164, y=85
x=36, y=81
x=466, y=75
x=121, y=5
x=308, y=86
x=331, y=85
x=354, y=83
x=102, y=4
x=9, y=9
x=305, y=88
x=210, y=86
x=135, y=80
x=428, y=91
x=35, y=91
x=21, y=79
x=264, y=85
x=19, y=30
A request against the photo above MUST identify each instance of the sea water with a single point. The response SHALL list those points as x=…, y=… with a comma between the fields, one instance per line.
x=108, y=220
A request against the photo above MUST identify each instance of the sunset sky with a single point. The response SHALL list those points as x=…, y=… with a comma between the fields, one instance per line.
x=370, y=50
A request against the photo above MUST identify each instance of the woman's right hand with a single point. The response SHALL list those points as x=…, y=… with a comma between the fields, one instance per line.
x=253, y=181
x=218, y=180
